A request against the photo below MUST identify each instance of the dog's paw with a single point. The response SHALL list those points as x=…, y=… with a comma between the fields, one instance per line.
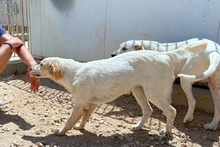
x=136, y=127
x=210, y=127
x=58, y=132
x=188, y=119
x=78, y=127
x=163, y=131
x=166, y=134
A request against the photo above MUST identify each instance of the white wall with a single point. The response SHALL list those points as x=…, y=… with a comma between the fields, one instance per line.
x=87, y=30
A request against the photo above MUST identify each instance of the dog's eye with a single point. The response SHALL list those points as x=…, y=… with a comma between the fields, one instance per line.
x=124, y=48
x=41, y=64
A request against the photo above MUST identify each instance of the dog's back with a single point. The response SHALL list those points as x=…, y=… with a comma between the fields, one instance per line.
x=135, y=45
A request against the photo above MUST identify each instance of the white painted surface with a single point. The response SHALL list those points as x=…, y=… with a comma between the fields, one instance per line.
x=87, y=30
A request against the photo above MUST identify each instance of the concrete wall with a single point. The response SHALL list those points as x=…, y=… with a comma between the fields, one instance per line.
x=87, y=30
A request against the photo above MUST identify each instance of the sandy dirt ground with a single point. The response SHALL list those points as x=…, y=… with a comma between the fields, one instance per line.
x=27, y=120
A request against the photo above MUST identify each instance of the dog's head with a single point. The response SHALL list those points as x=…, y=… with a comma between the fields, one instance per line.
x=48, y=68
x=131, y=45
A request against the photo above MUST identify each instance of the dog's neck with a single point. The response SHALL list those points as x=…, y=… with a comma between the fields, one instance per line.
x=69, y=67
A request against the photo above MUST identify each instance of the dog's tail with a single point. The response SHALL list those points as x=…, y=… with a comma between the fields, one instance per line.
x=214, y=62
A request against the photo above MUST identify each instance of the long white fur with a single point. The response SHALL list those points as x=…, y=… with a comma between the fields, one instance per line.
x=102, y=81
x=204, y=65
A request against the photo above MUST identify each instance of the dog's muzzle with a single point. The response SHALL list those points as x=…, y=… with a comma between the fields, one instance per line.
x=113, y=55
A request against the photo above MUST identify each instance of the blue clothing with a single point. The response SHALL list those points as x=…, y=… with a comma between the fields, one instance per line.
x=2, y=31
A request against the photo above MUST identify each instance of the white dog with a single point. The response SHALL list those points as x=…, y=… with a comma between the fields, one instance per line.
x=195, y=65
x=148, y=74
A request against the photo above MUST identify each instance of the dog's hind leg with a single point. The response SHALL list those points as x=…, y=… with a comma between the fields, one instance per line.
x=86, y=116
x=215, y=91
x=75, y=116
x=187, y=88
x=162, y=99
x=169, y=111
x=141, y=98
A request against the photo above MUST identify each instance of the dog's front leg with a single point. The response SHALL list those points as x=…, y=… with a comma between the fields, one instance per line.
x=141, y=98
x=86, y=116
x=75, y=116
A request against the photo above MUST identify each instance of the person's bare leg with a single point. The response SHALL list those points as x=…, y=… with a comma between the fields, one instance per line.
x=5, y=52
x=5, y=55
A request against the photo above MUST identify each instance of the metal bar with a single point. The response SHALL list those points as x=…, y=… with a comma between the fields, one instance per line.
x=28, y=23
x=16, y=19
x=1, y=10
x=8, y=15
x=22, y=20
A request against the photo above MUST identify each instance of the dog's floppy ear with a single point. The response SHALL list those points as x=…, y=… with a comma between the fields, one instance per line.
x=55, y=70
x=138, y=47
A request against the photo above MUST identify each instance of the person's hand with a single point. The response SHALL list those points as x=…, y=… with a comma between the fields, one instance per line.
x=15, y=42
x=35, y=82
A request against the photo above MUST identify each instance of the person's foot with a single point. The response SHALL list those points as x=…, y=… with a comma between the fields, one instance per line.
x=1, y=103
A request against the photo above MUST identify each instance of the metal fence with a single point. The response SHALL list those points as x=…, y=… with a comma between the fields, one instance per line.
x=14, y=16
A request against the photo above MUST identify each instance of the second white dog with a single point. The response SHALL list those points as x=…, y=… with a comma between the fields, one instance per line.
x=196, y=65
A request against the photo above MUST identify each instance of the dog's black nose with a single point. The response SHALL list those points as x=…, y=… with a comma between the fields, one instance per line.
x=30, y=69
x=113, y=55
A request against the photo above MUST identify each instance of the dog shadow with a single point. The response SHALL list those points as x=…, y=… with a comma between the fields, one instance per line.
x=92, y=139
x=16, y=119
x=206, y=138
